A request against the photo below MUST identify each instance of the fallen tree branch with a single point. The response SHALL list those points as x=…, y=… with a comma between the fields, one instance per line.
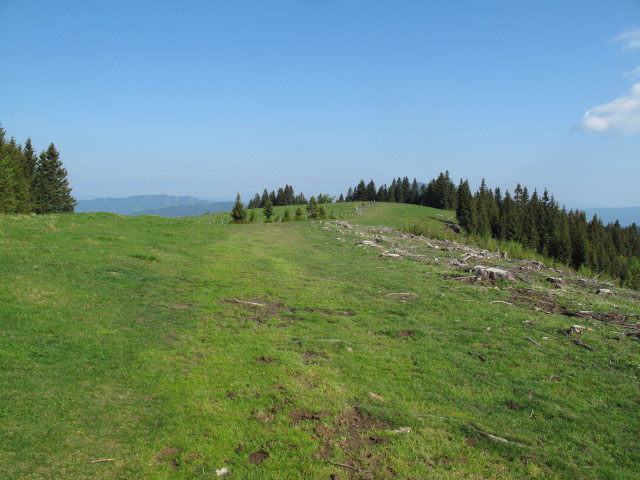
x=493, y=437
x=502, y=302
x=102, y=460
x=534, y=342
x=577, y=342
x=235, y=300
x=482, y=359
x=344, y=465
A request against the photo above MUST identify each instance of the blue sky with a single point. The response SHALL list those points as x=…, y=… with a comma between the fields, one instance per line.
x=207, y=98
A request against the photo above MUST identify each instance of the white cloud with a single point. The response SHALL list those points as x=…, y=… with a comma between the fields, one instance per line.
x=635, y=73
x=630, y=39
x=621, y=115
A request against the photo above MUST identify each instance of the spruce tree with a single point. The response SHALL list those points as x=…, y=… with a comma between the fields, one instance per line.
x=264, y=198
x=51, y=186
x=267, y=210
x=7, y=186
x=322, y=213
x=286, y=217
x=464, y=211
x=299, y=214
x=341, y=198
x=252, y=215
x=238, y=213
x=312, y=208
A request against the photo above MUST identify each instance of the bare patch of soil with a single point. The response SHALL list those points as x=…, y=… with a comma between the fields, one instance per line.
x=405, y=333
x=549, y=304
x=256, y=458
x=310, y=356
x=471, y=441
x=322, y=453
x=266, y=360
x=169, y=454
x=301, y=414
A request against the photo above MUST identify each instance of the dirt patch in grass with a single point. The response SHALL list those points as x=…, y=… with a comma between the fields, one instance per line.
x=256, y=305
x=169, y=454
x=302, y=414
x=266, y=360
x=405, y=333
x=471, y=441
x=542, y=301
x=256, y=458
x=310, y=356
x=353, y=433
x=548, y=303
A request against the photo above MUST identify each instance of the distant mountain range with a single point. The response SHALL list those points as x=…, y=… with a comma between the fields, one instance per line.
x=626, y=215
x=161, y=205
x=189, y=210
x=137, y=204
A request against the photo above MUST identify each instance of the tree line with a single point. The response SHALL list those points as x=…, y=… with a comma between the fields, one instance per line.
x=31, y=183
x=240, y=214
x=285, y=196
x=438, y=193
x=535, y=221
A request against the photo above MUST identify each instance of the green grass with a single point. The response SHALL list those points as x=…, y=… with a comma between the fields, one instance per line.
x=120, y=339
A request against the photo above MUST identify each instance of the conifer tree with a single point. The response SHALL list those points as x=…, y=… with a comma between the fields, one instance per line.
x=299, y=214
x=371, y=191
x=322, y=213
x=312, y=208
x=252, y=215
x=341, y=198
x=267, y=210
x=286, y=217
x=51, y=187
x=464, y=211
x=350, y=195
x=7, y=186
x=238, y=213
x=264, y=198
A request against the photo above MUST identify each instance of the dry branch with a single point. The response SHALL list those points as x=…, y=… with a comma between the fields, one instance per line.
x=577, y=342
x=534, y=342
x=99, y=460
x=235, y=300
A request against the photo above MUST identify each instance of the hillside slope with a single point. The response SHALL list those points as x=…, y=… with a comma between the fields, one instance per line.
x=144, y=347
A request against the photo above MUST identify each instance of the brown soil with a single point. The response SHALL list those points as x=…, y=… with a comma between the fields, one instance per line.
x=169, y=454
x=301, y=414
x=263, y=417
x=549, y=304
x=405, y=333
x=471, y=441
x=256, y=458
x=310, y=355
x=322, y=453
x=266, y=360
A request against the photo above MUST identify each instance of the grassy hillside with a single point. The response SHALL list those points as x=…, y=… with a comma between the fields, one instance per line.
x=127, y=351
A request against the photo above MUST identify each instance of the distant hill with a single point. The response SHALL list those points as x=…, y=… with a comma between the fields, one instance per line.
x=626, y=216
x=188, y=210
x=135, y=204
